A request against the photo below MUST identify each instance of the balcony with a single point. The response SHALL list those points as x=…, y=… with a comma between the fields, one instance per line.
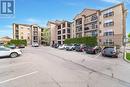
x=79, y=22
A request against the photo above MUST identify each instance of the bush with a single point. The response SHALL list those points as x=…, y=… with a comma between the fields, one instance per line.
x=82, y=40
x=128, y=56
x=18, y=42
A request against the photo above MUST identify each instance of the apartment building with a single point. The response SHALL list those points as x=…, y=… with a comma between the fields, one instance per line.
x=31, y=33
x=112, y=29
x=86, y=23
x=108, y=25
x=60, y=30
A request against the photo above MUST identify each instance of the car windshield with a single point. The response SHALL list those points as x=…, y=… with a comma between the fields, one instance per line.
x=4, y=48
x=110, y=49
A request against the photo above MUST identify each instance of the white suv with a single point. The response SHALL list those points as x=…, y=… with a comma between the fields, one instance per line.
x=4, y=51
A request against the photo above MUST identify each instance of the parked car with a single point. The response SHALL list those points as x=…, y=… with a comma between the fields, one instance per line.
x=80, y=48
x=93, y=49
x=62, y=47
x=4, y=51
x=35, y=45
x=55, y=45
x=70, y=47
x=21, y=46
x=110, y=51
x=12, y=46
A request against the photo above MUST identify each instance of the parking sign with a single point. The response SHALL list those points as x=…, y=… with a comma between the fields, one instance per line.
x=7, y=8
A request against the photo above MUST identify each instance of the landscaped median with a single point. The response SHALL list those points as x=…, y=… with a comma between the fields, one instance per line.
x=127, y=57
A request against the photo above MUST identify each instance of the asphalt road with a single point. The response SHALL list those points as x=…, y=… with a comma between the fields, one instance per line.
x=49, y=67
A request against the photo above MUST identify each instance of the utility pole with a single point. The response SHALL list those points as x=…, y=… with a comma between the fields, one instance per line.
x=125, y=11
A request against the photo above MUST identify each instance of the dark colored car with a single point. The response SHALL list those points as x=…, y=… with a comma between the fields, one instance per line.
x=93, y=49
x=110, y=52
x=21, y=46
x=80, y=48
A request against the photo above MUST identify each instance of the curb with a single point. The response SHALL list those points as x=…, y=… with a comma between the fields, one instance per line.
x=126, y=58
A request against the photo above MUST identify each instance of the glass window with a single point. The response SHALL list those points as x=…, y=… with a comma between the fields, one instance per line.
x=63, y=36
x=63, y=31
x=4, y=49
x=59, y=37
x=68, y=30
x=59, y=32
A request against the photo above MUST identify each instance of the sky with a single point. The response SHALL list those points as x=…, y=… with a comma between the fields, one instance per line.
x=41, y=11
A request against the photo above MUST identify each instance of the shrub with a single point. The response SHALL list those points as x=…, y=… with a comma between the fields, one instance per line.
x=18, y=42
x=82, y=40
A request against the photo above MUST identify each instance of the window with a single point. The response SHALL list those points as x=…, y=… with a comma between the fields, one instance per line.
x=68, y=30
x=59, y=27
x=108, y=13
x=79, y=28
x=63, y=36
x=100, y=31
x=59, y=32
x=109, y=23
x=63, y=25
x=110, y=33
x=21, y=37
x=59, y=37
x=63, y=31
x=79, y=21
x=100, y=22
x=94, y=33
x=68, y=24
x=35, y=38
x=94, y=17
x=100, y=40
x=86, y=28
x=59, y=42
x=68, y=36
x=109, y=42
x=28, y=38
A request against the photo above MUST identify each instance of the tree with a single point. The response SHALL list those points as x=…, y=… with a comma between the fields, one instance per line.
x=129, y=35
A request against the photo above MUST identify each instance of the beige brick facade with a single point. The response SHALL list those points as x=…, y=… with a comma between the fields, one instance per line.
x=60, y=30
x=31, y=33
x=108, y=25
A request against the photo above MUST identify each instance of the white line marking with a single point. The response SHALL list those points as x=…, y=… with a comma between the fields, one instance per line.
x=18, y=77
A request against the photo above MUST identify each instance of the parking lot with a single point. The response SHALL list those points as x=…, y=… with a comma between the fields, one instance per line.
x=50, y=67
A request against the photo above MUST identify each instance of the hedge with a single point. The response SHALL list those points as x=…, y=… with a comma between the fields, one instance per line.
x=18, y=42
x=82, y=40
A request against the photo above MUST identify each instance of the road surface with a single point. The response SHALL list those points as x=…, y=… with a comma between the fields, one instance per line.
x=49, y=67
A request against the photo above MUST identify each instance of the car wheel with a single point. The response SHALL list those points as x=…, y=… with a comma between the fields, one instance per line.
x=103, y=55
x=13, y=55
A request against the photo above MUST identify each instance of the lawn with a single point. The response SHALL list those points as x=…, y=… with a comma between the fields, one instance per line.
x=128, y=56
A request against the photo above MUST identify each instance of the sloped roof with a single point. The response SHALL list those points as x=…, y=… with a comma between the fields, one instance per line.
x=85, y=11
x=6, y=37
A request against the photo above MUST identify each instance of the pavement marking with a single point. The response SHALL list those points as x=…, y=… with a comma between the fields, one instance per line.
x=18, y=77
x=17, y=64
